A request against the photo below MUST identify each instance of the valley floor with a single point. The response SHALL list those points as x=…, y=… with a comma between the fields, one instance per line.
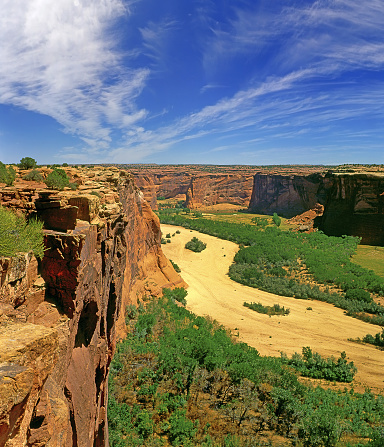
x=324, y=328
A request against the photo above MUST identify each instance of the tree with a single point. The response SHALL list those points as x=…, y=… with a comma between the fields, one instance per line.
x=27, y=163
x=276, y=219
x=57, y=179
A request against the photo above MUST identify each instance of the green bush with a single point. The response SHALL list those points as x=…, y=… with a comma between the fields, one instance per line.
x=311, y=364
x=276, y=309
x=177, y=294
x=175, y=266
x=27, y=163
x=57, y=179
x=16, y=235
x=34, y=176
x=358, y=294
x=377, y=340
x=7, y=175
x=195, y=245
x=276, y=219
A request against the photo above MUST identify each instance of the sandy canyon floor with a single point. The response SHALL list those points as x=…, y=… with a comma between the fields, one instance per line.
x=325, y=328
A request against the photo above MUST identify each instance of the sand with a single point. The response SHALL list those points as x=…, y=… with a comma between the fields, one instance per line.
x=325, y=328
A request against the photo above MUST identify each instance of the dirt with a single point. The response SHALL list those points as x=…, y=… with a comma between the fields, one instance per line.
x=325, y=328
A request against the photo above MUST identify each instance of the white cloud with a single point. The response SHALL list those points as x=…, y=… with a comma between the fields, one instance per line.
x=58, y=59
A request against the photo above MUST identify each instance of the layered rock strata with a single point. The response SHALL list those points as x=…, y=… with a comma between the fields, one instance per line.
x=196, y=189
x=60, y=318
x=353, y=202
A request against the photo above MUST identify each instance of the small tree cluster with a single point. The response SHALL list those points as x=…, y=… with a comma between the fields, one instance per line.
x=33, y=176
x=58, y=179
x=27, y=163
x=195, y=245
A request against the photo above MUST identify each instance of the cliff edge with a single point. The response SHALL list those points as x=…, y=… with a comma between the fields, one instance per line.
x=60, y=317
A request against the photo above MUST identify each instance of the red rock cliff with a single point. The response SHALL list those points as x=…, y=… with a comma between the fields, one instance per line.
x=59, y=321
x=353, y=202
x=197, y=188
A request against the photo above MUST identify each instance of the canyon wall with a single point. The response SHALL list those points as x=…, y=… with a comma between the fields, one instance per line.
x=353, y=202
x=60, y=317
x=197, y=189
x=354, y=206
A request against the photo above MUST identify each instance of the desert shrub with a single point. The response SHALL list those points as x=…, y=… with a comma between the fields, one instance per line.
x=27, y=163
x=34, y=176
x=358, y=294
x=57, y=179
x=168, y=235
x=276, y=309
x=7, y=175
x=177, y=294
x=260, y=222
x=175, y=266
x=18, y=235
x=156, y=383
x=195, y=245
x=377, y=340
x=311, y=364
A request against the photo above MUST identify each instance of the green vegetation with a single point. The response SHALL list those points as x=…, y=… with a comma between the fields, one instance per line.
x=17, y=235
x=371, y=258
x=175, y=266
x=276, y=309
x=34, y=176
x=7, y=174
x=27, y=163
x=305, y=266
x=195, y=245
x=311, y=364
x=178, y=294
x=376, y=340
x=182, y=380
x=58, y=179
x=276, y=219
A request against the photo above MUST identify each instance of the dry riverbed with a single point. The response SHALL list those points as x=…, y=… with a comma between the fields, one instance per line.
x=324, y=328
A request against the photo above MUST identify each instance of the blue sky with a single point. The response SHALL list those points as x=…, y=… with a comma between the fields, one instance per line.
x=192, y=81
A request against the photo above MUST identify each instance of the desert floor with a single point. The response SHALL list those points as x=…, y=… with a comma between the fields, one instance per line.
x=324, y=328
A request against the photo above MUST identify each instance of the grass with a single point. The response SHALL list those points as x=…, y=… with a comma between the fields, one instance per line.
x=370, y=257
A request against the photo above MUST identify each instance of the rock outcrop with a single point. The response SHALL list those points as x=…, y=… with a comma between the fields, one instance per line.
x=196, y=187
x=354, y=205
x=353, y=202
x=60, y=318
x=287, y=195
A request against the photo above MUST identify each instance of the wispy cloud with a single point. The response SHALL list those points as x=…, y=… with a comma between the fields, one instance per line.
x=58, y=59
x=156, y=38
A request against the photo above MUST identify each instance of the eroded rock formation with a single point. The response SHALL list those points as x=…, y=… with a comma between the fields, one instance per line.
x=353, y=202
x=197, y=188
x=59, y=320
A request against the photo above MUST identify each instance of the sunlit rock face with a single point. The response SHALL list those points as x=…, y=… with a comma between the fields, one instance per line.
x=60, y=317
x=196, y=189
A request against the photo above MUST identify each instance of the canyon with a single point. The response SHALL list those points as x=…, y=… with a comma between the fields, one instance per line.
x=60, y=317
x=351, y=199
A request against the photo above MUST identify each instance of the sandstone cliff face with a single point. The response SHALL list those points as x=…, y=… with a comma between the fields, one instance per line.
x=353, y=203
x=197, y=188
x=355, y=206
x=287, y=195
x=59, y=321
